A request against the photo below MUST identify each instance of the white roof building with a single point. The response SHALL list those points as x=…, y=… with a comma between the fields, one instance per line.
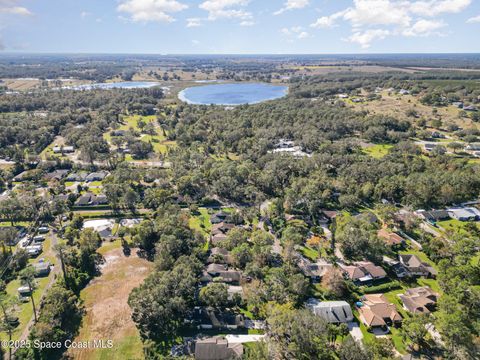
x=102, y=226
x=332, y=311
x=464, y=214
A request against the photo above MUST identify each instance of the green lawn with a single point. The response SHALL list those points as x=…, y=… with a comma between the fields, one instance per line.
x=129, y=347
x=201, y=221
x=25, y=310
x=377, y=151
x=455, y=226
x=159, y=141
x=109, y=246
x=16, y=223
x=309, y=253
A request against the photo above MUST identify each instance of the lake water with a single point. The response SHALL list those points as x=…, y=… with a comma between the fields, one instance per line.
x=117, y=85
x=232, y=94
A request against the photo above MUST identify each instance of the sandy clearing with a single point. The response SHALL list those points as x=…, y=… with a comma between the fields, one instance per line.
x=108, y=315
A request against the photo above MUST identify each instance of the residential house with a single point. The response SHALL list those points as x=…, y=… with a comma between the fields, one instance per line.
x=376, y=311
x=473, y=147
x=77, y=177
x=433, y=215
x=329, y=215
x=314, y=271
x=103, y=227
x=464, y=214
x=96, y=176
x=217, y=238
x=222, y=227
x=218, y=217
x=416, y=267
x=42, y=269
x=28, y=175
x=396, y=267
x=419, y=300
x=368, y=216
x=90, y=199
x=429, y=146
x=208, y=318
x=363, y=272
x=335, y=312
x=66, y=149
x=470, y=108
x=219, y=256
x=217, y=348
x=219, y=232
x=392, y=239
x=118, y=133
x=56, y=175
x=219, y=272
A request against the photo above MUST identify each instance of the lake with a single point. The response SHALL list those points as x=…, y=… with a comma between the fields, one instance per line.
x=232, y=94
x=116, y=85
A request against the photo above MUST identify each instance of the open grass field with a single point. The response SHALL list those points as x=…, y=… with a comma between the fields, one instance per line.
x=159, y=142
x=108, y=315
x=397, y=105
x=201, y=221
x=455, y=226
x=377, y=151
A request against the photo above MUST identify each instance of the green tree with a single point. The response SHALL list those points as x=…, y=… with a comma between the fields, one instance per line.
x=414, y=329
x=352, y=350
x=214, y=295
x=296, y=334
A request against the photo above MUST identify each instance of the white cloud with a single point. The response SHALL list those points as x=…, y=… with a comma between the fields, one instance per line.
x=292, y=5
x=247, y=23
x=364, y=39
x=84, y=14
x=327, y=21
x=151, y=10
x=373, y=20
x=377, y=12
x=11, y=7
x=473, y=20
x=295, y=32
x=424, y=28
x=195, y=42
x=194, y=22
x=226, y=9
x=437, y=7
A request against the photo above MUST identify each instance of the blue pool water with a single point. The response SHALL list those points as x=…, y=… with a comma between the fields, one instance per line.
x=232, y=94
x=118, y=85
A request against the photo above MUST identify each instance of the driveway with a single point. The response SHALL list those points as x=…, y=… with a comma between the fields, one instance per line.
x=355, y=331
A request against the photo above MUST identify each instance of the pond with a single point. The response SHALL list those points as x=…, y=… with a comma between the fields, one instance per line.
x=232, y=94
x=117, y=85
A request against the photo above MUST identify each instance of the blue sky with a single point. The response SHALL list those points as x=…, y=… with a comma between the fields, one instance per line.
x=239, y=26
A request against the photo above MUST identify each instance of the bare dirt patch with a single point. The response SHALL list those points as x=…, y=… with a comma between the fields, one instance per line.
x=108, y=315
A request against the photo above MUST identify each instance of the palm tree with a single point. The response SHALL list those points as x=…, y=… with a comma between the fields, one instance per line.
x=27, y=276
